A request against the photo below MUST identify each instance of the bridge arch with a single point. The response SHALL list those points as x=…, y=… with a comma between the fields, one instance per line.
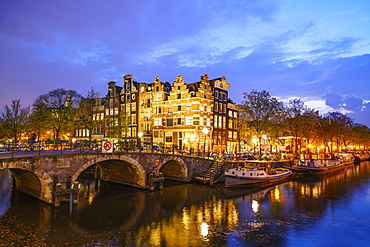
x=114, y=171
x=34, y=184
x=174, y=168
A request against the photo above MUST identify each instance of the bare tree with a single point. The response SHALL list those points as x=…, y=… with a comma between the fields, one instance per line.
x=14, y=120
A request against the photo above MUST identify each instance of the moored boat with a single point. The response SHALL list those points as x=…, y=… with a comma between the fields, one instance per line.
x=251, y=176
x=319, y=167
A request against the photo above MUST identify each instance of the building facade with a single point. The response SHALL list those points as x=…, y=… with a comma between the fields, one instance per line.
x=188, y=116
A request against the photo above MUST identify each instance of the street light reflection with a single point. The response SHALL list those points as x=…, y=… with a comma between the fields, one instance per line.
x=255, y=206
x=277, y=194
x=204, y=230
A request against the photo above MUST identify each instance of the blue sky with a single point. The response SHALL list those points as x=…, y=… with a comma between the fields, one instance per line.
x=315, y=50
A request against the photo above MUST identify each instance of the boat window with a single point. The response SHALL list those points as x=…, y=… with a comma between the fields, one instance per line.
x=232, y=172
x=251, y=174
x=243, y=173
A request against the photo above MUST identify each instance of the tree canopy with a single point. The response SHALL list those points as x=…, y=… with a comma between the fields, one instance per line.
x=261, y=111
x=58, y=107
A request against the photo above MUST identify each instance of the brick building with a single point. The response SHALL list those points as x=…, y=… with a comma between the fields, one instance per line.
x=196, y=115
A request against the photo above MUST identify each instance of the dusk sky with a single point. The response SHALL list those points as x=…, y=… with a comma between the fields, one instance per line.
x=315, y=50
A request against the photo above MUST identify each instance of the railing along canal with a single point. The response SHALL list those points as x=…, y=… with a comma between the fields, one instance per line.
x=65, y=147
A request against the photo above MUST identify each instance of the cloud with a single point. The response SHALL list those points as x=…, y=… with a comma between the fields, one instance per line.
x=304, y=49
x=333, y=99
x=353, y=106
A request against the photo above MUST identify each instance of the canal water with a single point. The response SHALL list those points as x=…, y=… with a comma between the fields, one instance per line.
x=325, y=211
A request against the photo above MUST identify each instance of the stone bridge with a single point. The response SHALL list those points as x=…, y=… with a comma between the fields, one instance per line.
x=46, y=176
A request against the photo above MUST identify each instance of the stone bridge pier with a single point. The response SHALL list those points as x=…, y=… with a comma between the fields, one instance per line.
x=53, y=178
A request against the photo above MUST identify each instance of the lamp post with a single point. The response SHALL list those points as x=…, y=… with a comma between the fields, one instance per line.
x=205, y=132
x=254, y=140
x=140, y=134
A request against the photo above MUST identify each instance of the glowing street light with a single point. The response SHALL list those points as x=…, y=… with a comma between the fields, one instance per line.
x=140, y=134
x=254, y=140
x=205, y=132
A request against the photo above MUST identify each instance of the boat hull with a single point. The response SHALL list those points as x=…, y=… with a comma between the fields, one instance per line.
x=238, y=181
x=319, y=170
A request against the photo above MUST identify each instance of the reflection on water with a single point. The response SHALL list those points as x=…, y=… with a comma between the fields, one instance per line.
x=307, y=211
x=5, y=190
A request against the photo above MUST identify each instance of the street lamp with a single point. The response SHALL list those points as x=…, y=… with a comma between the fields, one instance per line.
x=140, y=134
x=254, y=140
x=205, y=132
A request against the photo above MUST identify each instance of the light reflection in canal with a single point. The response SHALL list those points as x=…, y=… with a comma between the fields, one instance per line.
x=318, y=211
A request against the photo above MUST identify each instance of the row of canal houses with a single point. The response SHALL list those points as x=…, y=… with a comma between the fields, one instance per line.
x=196, y=115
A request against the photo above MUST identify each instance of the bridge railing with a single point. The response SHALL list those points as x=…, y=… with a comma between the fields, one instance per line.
x=85, y=146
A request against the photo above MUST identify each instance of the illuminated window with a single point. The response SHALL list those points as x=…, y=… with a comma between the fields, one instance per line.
x=157, y=97
x=157, y=121
x=156, y=134
x=188, y=108
x=188, y=121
